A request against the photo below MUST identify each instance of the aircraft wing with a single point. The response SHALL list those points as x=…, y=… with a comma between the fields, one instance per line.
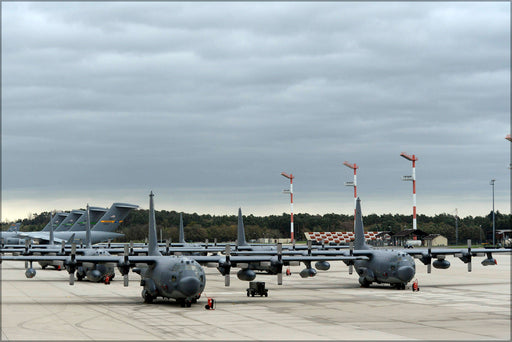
x=435, y=252
x=44, y=236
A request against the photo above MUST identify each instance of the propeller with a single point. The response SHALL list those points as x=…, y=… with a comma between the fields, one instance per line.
x=429, y=266
x=27, y=245
x=63, y=248
x=309, y=247
x=166, y=247
x=126, y=266
x=131, y=248
x=227, y=265
x=293, y=244
x=280, y=264
x=71, y=265
x=109, y=241
x=351, y=265
x=469, y=255
x=215, y=242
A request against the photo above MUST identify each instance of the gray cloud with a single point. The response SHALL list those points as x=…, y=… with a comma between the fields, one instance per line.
x=218, y=98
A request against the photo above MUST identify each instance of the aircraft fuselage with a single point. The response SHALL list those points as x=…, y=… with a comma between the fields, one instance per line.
x=386, y=266
x=179, y=278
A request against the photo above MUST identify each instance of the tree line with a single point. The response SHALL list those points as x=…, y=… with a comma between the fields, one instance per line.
x=224, y=227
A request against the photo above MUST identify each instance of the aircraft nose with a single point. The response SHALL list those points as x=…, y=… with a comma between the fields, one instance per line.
x=405, y=273
x=189, y=286
x=95, y=275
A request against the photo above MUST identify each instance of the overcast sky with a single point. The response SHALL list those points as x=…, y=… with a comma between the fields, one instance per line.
x=207, y=103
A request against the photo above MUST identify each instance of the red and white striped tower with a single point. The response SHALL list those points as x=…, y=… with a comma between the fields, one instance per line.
x=290, y=177
x=354, y=183
x=413, y=179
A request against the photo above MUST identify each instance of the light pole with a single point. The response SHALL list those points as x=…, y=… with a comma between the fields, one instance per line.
x=493, y=224
x=290, y=191
x=413, y=179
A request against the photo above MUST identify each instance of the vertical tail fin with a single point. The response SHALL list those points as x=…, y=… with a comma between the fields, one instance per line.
x=52, y=237
x=152, y=243
x=69, y=221
x=15, y=227
x=56, y=220
x=114, y=217
x=182, y=230
x=95, y=213
x=88, y=228
x=241, y=230
x=358, y=228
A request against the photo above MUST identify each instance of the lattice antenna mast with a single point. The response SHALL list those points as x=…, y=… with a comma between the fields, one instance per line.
x=290, y=191
x=354, y=183
x=413, y=179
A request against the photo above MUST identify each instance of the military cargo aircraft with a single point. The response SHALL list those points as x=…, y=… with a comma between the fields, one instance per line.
x=176, y=277
x=396, y=266
x=102, y=231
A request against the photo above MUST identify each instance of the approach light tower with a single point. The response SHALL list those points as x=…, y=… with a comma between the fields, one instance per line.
x=413, y=179
x=354, y=183
x=509, y=138
x=290, y=191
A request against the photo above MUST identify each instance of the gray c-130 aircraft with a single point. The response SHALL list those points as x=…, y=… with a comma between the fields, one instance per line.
x=177, y=277
x=397, y=266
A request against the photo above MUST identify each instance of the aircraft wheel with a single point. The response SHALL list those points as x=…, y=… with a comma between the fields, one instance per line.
x=79, y=276
x=252, y=294
x=248, y=294
x=147, y=297
x=188, y=303
x=44, y=266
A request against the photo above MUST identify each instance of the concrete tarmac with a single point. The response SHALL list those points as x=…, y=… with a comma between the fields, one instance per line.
x=452, y=304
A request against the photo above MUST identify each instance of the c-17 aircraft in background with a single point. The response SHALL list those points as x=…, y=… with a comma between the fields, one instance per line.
x=177, y=277
x=102, y=231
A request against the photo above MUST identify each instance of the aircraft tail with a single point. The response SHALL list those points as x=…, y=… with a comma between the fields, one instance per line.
x=69, y=221
x=95, y=213
x=52, y=236
x=55, y=221
x=14, y=227
x=152, y=243
x=88, y=228
x=359, y=228
x=114, y=217
x=241, y=230
x=182, y=230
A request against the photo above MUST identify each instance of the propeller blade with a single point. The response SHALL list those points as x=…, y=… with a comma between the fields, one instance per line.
x=309, y=247
x=166, y=247
x=351, y=251
x=71, y=278
x=125, y=268
x=280, y=260
x=228, y=263
x=429, y=266
x=469, y=255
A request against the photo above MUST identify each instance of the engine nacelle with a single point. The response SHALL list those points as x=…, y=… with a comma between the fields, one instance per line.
x=246, y=274
x=442, y=264
x=322, y=265
x=489, y=262
x=308, y=272
x=30, y=273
